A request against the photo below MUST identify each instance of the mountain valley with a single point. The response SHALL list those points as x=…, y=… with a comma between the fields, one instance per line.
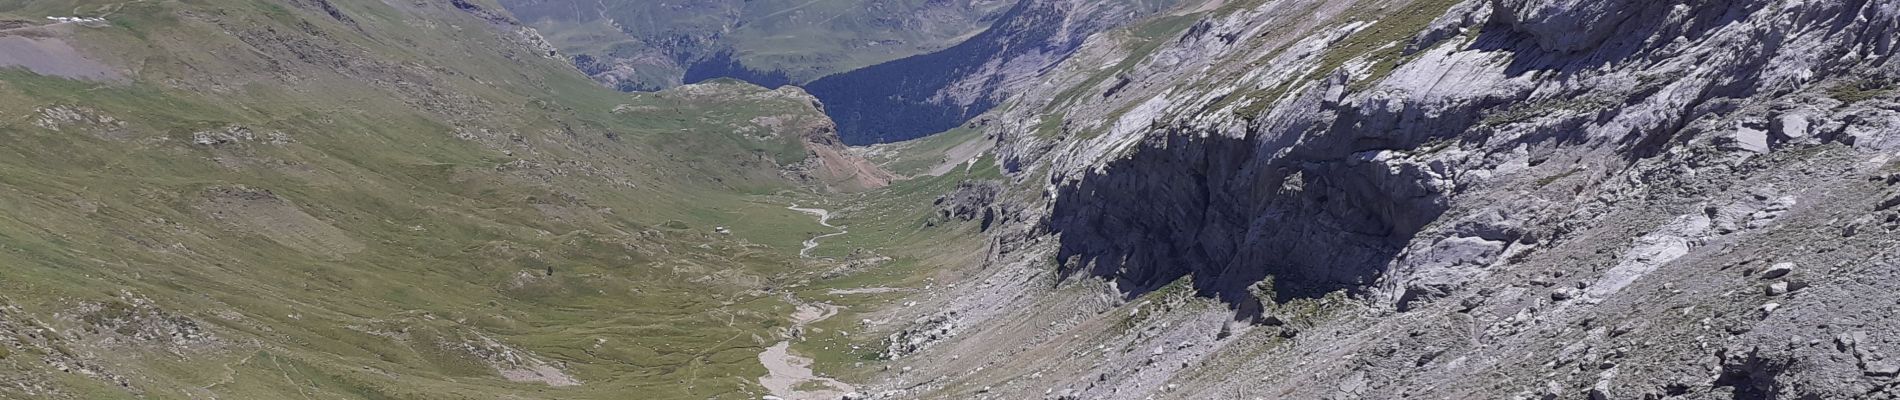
x=1035, y=199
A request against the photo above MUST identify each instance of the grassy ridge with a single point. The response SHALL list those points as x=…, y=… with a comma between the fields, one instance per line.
x=396, y=205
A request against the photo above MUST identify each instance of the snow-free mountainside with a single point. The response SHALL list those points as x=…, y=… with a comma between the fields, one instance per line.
x=1023, y=199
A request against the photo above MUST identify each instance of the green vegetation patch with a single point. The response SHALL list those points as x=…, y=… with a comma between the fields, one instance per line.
x=1855, y=91
x=358, y=216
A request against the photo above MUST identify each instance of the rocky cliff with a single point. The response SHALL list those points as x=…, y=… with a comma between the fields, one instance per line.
x=1461, y=199
x=930, y=93
x=888, y=71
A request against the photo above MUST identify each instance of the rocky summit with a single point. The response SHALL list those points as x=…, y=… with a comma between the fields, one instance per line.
x=991, y=199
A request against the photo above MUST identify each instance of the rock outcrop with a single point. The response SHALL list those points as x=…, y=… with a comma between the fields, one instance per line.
x=1515, y=199
x=925, y=94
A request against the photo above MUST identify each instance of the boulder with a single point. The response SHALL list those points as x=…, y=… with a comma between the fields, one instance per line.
x=1883, y=368
x=1777, y=288
x=1778, y=270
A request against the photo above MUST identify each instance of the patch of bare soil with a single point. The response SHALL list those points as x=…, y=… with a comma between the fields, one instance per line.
x=789, y=376
x=42, y=51
x=263, y=213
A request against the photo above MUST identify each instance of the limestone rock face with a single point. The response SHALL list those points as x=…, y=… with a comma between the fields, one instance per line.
x=1571, y=25
x=1513, y=199
x=972, y=200
x=917, y=96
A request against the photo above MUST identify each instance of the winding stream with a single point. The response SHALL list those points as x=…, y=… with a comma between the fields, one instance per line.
x=824, y=218
x=789, y=376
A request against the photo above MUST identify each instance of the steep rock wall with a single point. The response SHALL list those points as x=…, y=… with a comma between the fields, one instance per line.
x=1516, y=199
x=1345, y=170
x=925, y=94
x=1317, y=215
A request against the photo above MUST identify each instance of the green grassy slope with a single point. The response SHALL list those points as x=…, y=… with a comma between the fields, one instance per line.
x=361, y=199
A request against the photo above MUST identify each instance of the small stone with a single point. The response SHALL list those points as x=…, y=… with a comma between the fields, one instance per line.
x=1600, y=392
x=1778, y=270
x=1623, y=329
x=1069, y=394
x=1777, y=288
x=1747, y=139
x=1845, y=342
x=1770, y=308
x=1882, y=368
x=1354, y=384
x=1470, y=303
